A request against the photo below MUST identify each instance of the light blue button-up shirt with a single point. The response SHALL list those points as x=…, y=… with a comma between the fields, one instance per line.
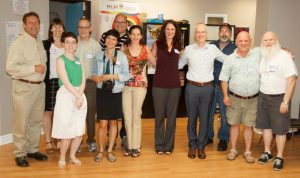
x=242, y=73
x=200, y=61
x=121, y=68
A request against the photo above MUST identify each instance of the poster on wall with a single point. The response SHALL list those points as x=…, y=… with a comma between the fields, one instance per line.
x=109, y=9
x=152, y=32
x=20, y=7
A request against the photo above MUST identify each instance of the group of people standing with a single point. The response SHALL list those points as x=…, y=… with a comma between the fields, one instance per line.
x=84, y=77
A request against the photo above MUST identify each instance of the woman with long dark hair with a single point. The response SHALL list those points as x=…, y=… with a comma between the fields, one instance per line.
x=166, y=88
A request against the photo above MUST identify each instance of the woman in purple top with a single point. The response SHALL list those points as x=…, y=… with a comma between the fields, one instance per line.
x=166, y=85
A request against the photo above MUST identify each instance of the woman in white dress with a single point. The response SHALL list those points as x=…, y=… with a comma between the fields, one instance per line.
x=71, y=107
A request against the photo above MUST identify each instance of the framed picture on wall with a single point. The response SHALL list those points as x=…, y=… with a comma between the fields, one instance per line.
x=240, y=29
x=215, y=18
x=213, y=31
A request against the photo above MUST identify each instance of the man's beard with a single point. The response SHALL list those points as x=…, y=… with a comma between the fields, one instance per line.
x=224, y=39
x=268, y=52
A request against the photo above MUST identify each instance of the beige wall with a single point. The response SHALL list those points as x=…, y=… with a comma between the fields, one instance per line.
x=282, y=17
x=42, y=8
x=95, y=4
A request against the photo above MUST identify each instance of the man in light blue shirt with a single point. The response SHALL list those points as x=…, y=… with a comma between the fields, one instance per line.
x=240, y=86
x=199, y=91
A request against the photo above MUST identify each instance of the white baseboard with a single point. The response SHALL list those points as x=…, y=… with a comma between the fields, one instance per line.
x=5, y=139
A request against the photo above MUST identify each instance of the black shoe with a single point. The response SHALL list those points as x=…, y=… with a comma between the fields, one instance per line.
x=265, y=157
x=222, y=146
x=209, y=141
x=278, y=164
x=38, y=156
x=21, y=161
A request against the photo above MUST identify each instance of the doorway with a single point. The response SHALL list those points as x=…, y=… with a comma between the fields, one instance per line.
x=69, y=12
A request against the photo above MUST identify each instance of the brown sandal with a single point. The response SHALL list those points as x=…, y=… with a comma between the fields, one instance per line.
x=98, y=157
x=111, y=157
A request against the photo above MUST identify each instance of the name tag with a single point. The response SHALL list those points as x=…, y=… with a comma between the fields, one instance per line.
x=77, y=62
x=250, y=69
x=88, y=56
x=176, y=51
x=273, y=68
x=118, y=62
x=207, y=56
x=52, y=51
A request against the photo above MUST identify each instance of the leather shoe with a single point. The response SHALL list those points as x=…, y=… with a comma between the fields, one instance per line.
x=192, y=153
x=38, y=156
x=201, y=154
x=21, y=161
x=222, y=146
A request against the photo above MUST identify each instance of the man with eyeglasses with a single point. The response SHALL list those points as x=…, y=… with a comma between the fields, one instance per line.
x=86, y=51
x=120, y=24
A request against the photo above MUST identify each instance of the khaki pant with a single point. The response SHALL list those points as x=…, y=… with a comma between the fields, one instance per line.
x=28, y=109
x=132, y=101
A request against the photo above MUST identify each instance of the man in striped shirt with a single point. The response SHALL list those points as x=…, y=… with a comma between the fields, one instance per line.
x=120, y=24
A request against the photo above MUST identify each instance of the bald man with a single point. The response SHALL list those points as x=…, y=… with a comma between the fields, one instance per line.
x=120, y=24
x=278, y=79
x=199, y=91
x=240, y=86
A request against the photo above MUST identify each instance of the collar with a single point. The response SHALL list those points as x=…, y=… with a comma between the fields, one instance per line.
x=238, y=56
x=197, y=47
x=30, y=37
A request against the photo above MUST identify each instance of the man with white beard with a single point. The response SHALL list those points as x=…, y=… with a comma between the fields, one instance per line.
x=278, y=79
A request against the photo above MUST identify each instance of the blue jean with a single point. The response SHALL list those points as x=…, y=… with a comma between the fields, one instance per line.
x=223, y=133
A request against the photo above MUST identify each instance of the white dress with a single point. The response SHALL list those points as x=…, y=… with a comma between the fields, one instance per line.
x=68, y=121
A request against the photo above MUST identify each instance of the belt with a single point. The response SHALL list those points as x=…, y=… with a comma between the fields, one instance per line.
x=28, y=81
x=243, y=97
x=276, y=95
x=201, y=84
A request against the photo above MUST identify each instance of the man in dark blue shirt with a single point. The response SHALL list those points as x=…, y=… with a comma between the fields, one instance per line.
x=227, y=47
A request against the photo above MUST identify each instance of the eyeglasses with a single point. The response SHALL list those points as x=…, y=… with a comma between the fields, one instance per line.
x=83, y=28
x=120, y=22
x=70, y=42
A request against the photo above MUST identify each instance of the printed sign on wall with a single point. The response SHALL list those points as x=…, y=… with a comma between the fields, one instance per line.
x=109, y=9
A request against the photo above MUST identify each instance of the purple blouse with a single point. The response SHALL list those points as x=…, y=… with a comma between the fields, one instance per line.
x=166, y=72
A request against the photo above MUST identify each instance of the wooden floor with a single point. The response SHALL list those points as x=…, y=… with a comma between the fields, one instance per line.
x=149, y=164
